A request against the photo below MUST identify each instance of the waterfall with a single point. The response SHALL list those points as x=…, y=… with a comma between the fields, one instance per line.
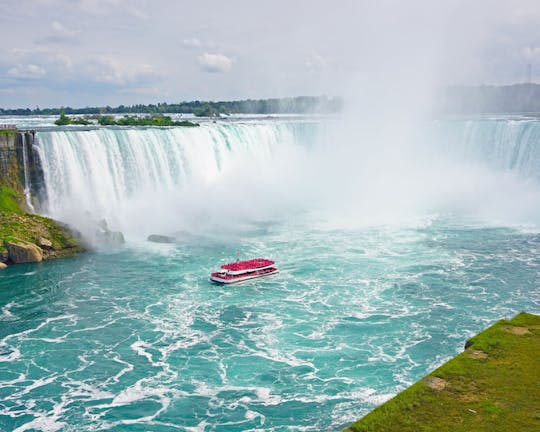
x=504, y=144
x=136, y=177
x=26, y=173
x=103, y=171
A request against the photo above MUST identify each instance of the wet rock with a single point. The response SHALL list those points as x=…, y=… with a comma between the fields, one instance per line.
x=103, y=225
x=2, y=265
x=157, y=238
x=106, y=237
x=110, y=238
x=117, y=237
x=45, y=243
x=4, y=256
x=23, y=252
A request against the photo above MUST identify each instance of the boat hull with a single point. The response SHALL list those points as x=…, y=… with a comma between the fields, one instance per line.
x=232, y=279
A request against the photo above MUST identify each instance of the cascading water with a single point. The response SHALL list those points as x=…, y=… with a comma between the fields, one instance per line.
x=104, y=171
x=137, y=338
x=27, y=185
x=131, y=176
x=506, y=144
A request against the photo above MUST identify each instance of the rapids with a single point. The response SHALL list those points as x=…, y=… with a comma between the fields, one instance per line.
x=138, y=339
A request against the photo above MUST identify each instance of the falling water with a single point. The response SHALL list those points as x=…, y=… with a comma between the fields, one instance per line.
x=27, y=184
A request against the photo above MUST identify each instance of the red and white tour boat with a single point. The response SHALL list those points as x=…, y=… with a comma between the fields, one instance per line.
x=244, y=270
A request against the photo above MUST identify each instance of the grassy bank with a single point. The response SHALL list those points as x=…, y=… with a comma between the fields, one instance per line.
x=15, y=223
x=494, y=385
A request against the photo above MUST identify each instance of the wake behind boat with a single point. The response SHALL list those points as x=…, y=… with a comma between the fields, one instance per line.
x=244, y=270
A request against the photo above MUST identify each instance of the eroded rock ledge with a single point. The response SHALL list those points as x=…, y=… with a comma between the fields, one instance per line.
x=26, y=237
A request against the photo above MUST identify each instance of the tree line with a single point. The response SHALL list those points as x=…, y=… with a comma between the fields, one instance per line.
x=294, y=105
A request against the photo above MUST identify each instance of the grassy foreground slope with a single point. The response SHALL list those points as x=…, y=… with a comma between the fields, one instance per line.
x=494, y=385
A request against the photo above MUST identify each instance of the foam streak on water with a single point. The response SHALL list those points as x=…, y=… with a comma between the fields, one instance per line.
x=140, y=340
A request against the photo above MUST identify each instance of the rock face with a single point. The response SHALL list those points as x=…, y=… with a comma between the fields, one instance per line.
x=107, y=238
x=23, y=252
x=44, y=243
x=4, y=256
x=156, y=238
x=116, y=237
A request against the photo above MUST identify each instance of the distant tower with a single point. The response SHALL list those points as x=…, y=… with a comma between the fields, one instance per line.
x=529, y=73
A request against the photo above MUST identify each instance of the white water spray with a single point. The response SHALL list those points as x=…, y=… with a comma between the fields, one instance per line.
x=27, y=193
x=221, y=175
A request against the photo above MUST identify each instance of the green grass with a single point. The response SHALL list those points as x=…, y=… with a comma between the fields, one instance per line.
x=16, y=225
x=8, y=132
x=9, y=200
x=496, y=393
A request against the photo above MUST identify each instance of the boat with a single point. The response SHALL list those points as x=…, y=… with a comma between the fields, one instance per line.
x=240, y=271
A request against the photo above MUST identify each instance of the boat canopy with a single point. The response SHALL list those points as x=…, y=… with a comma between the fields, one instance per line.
x=256, y=263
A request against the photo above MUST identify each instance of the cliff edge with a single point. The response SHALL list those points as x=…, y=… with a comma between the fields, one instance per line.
x=494, y=385
x=26, y=237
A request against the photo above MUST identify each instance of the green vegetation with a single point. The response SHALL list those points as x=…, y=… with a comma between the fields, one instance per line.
x=7, y=132
x=109, y=120
x=153, y=120
x=209, y=111
x=296, y=105
x=17, y=224
x=493, y=386
x=63, y=120
x=9, y=200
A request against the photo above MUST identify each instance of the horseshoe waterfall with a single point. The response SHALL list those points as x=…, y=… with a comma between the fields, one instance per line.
x=392, y=251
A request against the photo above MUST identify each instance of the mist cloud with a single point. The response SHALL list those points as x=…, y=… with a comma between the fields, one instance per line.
x=27, y=71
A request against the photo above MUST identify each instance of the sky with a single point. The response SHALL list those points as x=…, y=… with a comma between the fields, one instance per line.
x=110, y=52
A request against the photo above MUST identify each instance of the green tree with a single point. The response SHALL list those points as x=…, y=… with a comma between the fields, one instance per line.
x=63, y=120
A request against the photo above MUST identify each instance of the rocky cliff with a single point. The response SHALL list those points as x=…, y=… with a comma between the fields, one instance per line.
x=24, y=236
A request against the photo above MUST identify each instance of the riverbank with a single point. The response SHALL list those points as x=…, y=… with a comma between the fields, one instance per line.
x=492, y=386
x=26, y=237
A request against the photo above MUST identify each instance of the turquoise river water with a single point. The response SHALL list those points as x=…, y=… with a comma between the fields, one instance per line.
x=137, y=339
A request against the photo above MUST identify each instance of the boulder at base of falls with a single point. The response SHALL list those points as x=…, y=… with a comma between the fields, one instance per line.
x=157, y=238
x=109, y=238
x=2, y=266
x=21, y=251
x=45, y=243
x=4, y=255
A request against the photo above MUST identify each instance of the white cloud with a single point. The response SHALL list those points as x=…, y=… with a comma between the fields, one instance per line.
x=193, y=42
x=215, y=62
x=316, y=61
x=113, y=71
x=62, y=30
x=196, y=43
x=113, y=7
x=26, y=71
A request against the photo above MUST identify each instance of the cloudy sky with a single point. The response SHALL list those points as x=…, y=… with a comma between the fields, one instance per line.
x=98, y=52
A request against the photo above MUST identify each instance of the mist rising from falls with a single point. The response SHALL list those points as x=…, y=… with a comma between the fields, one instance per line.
x=220, y=175
x=148, y=180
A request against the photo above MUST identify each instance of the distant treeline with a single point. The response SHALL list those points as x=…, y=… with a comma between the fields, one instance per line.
x=517, y=98
x=295, y=105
